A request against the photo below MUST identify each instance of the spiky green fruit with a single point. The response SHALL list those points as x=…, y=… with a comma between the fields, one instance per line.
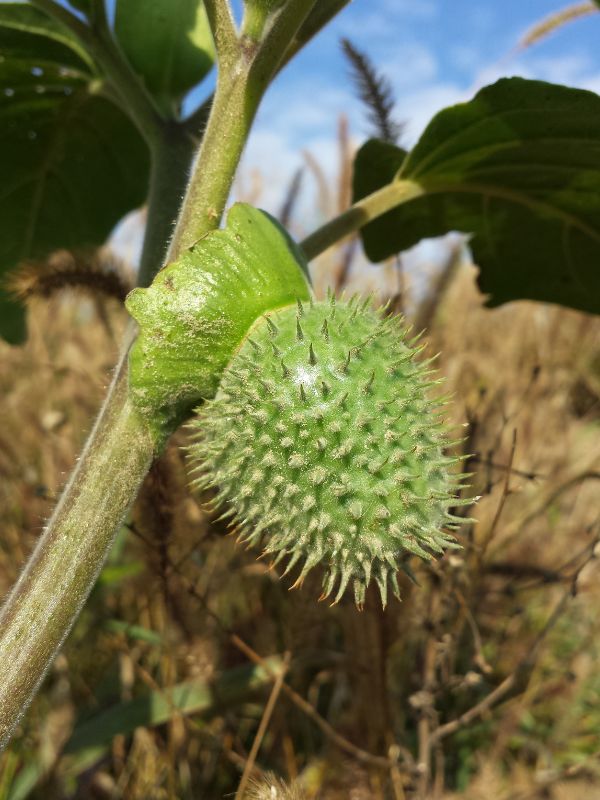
x=324, y=446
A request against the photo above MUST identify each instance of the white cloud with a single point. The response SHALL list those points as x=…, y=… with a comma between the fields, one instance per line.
x=385, y=16
x=410, y=64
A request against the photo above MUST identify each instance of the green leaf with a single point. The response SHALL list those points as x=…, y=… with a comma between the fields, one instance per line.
x=134, y=631
x=168, y=42
x=115, y=573
x=72, y=163
x=27, y=32
x=518, y=167
x=12, y=320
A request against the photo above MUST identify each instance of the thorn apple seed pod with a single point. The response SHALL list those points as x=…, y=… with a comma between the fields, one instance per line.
x=324, y=446
x=199, y=309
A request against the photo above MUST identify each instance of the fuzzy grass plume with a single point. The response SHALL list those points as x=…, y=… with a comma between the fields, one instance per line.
x=326, y=450
x=96, y=272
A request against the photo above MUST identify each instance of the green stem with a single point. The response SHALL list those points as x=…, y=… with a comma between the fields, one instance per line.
x=362, y=212
x=222, y=144
x=223, y=30
x=45, y=602
x=171, y=162
x=240, y=88
x=43, y=606
x=323, y=12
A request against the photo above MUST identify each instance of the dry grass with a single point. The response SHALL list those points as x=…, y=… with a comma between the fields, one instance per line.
x=481, y=684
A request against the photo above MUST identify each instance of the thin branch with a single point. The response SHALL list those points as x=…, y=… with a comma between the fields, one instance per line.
x=262, y=728
x=503, y=497
x=429, y=306
x=522, y=473
x=222, y=26
x=525, y=666
x=328, y=730
x=358, y=215
x=547, y=502
x=291, y=196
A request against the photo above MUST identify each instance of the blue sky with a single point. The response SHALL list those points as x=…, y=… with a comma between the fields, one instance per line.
x=434, y=52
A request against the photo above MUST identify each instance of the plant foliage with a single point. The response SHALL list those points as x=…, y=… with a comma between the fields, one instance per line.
x=169, y=44
x=518, y=168
x=72, y=163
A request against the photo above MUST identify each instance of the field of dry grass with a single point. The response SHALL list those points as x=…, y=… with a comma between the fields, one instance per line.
x=482, y=683
x=193, y=665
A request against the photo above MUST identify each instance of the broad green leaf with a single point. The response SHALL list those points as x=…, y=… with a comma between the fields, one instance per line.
x=39, y=36
x=72, y=163
x=168, y=42
x=518, y=167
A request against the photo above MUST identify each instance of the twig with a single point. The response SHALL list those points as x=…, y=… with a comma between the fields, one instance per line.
x=223, y=28
x=344, y=744
x=262, y=728
x=503, y=497
x=548, y=501
x=479, y=658
x=426, y=711
x=530, y=475
x=363, y=211
x=291, y=196
x=430, y=305
x=525, y=665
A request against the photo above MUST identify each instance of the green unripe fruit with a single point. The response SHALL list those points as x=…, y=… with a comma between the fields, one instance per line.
x=325, y=448
x=198, y=310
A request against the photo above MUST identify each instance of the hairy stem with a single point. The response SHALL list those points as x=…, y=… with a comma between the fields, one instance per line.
x=171, y=164
x=358, y=215
x=323, y=12
x=223, y=29
x=229, y=121
x=240, y=88
x=46, y=600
